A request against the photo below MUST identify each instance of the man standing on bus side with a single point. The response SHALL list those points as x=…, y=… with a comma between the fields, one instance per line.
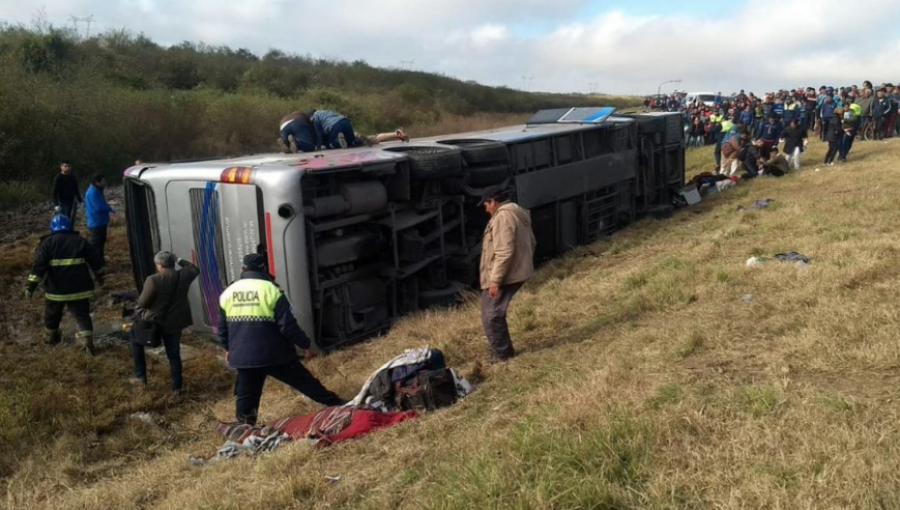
x=258, y=330
x=507, y=261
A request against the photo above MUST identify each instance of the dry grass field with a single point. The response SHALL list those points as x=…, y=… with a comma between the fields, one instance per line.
x=656, y=371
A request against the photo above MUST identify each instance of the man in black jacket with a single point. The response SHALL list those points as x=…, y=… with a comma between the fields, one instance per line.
x=259, y=333
x=881, y=110
x=65, y=191
x=795, y=140
x=164, y=302
x=64, y=261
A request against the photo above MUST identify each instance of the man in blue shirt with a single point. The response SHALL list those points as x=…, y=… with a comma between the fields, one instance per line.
x=97, y=210
x=770, y=135
x=826, y=110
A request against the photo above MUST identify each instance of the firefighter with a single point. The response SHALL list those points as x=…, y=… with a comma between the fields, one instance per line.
x=258, y=330
x=64, y=261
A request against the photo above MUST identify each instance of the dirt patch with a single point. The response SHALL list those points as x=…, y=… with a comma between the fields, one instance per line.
x=35, y=218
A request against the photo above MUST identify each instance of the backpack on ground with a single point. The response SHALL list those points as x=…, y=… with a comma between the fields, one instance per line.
x=427, y=390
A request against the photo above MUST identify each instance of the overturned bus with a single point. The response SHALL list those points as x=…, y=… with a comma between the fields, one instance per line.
x=359, y=237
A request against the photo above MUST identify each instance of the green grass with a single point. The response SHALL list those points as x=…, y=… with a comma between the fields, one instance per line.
x=644, y=380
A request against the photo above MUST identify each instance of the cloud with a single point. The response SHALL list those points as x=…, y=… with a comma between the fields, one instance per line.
x=489, y=34
x=761, y=45
x=767, y=44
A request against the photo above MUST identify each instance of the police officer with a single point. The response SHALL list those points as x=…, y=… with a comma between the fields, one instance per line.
x=64, y=261
x=259, y=333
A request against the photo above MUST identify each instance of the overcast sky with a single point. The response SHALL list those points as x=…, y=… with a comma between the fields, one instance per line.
x=616, y=46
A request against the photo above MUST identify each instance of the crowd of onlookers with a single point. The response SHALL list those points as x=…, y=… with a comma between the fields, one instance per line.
x=748, y=128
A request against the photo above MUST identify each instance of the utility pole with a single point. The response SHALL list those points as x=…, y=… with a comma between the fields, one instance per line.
x=659, y=89
x=406, y=65
x=526, y=82
x=89, y=20
x=593, y=87
x=76, y=21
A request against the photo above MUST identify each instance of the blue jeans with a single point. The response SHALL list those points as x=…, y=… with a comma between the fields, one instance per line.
x=847, y=143
x=302, y=135
x=172, y=342
x=825, y=122
x=342, y=126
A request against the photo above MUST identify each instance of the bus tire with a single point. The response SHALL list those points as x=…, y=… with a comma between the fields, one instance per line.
x=487, y=175
x=479, y=152
x=432, y=162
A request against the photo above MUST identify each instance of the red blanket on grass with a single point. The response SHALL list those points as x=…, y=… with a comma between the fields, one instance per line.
x=330, y=425
x=336, y=424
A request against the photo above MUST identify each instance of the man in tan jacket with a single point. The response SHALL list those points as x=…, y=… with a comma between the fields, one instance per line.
x=507, y=261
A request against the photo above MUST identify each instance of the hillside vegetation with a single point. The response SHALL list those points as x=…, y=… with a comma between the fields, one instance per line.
x=656, y=371
x=105, y=101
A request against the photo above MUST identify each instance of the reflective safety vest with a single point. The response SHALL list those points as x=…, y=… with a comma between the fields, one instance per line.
x=716, y=118
x=250, y=300
x=64, y=261
x=256, y=324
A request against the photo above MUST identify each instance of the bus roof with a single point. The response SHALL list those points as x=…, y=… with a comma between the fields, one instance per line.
x=358, y=157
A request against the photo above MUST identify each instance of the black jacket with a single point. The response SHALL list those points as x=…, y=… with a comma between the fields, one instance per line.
x=64, y=261
x=256, y=324
x=834, y=131
x=881, y=107
x=793, y=138
x=164, y=298
x=65, y=189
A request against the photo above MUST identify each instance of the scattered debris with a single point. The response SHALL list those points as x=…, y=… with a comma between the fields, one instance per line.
x=748, y=298
x=145, y=418
x=792, y=256
x=759, y=204
x=114, y=339
x=756, y=261
x=251, y=446
x=124, y=296
x=333, y=479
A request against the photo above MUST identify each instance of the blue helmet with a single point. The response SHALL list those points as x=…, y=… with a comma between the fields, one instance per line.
x=60, y=223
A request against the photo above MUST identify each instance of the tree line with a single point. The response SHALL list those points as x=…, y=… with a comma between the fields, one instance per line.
x=104, y=101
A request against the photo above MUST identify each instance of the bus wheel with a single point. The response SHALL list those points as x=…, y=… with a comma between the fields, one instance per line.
x=431, y=162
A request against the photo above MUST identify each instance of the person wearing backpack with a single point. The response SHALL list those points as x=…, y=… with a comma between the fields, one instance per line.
x=164, y=306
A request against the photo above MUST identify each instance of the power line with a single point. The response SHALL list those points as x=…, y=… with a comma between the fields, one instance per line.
x=526, y=82
x=76, y=22
x=89, y=20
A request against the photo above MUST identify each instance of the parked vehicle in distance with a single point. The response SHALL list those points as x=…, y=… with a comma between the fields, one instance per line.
x=359, y=237
x=707, y=98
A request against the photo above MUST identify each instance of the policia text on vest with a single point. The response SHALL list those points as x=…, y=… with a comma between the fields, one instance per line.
x=258, y=330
